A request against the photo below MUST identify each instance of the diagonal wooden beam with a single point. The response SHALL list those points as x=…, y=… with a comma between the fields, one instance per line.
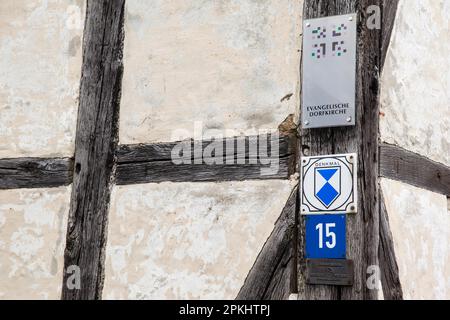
x=389, y=12
x=271, y=275
x=390, y=279
x=95, y=146
x=35, y=173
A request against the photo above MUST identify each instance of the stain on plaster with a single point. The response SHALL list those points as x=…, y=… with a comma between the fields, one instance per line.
x=188, y=240
x=224, y=63
x=32, y=239
x=415, y=85
x=40, y=69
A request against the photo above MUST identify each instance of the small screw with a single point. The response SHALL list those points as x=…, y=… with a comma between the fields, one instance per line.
x=352, y=208
x=306, y=123
x=350, y=19
x=349, y=119
x=308, y=24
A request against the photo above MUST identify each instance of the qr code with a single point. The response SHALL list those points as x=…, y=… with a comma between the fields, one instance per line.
x=332, y=44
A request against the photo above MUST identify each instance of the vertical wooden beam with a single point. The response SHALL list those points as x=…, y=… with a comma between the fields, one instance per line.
x=95, y=145
x=362, y=228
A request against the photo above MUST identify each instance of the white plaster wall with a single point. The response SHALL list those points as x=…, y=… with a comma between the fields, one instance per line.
x=420, y=224
x=226, y=64
x=40, y=67
x=188, y=240
x=32, y=239
x=415, y=90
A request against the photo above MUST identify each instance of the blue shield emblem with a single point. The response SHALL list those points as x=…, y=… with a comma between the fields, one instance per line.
x=327, y=183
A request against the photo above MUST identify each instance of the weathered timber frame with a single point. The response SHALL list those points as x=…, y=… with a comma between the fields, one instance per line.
x=99, y=162
x=95, y=146
x=153, y=163
x=363, y=230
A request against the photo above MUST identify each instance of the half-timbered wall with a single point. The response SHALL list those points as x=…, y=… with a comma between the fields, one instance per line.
x=228, y=68
x=415, y=105
x=214, y=65
x=40, y=65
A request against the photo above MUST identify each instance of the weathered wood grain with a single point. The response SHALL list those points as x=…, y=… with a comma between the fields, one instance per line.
x=153, y=163
x=95, y=146
x=143, y=162
x=35, y=172
x=362, y=228
x=241, y=146
x=399, y=164
x=271, y=275
x=166, y=171
x=390, y=279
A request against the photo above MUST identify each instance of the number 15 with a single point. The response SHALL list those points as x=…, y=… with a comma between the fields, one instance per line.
x=328, y=234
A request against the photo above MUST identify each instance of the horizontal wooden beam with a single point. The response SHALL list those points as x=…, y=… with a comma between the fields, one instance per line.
x=399, y=164
x=153, y=163
x=145, y=163
x=35, y=172
x=271, y=275
x=241, y=146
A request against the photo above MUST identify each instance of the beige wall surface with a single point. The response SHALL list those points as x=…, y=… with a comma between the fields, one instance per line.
x=420, y=224
x=415, y=89
x=188, y=240
x=40, y=66
x=32, y=238
x=227, y=64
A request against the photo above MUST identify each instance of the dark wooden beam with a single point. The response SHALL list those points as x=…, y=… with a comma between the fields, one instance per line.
x=95, y=146
x=153, y=163
x=163, y=151
x=271, y=275
x=402, y=165
x=164, y=171
x=35, y=173
x=143, y=163
x=390, y=279
x=362, y=228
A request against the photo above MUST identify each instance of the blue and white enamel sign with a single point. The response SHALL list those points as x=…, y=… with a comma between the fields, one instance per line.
x=326, y=236
x=329, y=184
